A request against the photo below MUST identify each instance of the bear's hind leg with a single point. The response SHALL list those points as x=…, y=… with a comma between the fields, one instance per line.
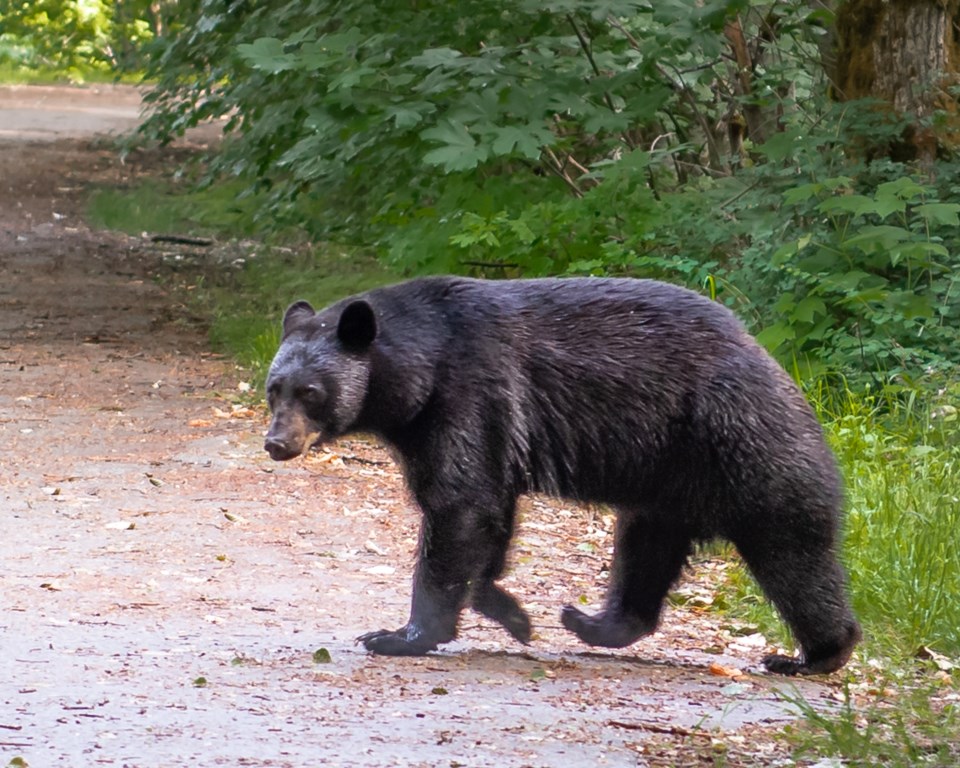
x=647, y=560
x=805, y=581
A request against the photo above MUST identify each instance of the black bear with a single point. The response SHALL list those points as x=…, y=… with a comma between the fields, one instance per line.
x=631, y=393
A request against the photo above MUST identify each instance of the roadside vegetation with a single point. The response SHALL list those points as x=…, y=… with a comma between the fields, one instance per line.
x=719, y=144
x=78, y=41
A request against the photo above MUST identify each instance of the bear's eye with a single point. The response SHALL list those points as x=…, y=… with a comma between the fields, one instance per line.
x=310, y=393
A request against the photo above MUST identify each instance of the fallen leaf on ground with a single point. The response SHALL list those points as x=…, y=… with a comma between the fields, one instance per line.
x=721, y=671
x=371, y=546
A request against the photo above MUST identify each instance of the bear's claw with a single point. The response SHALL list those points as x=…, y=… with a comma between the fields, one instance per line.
x=783, y=665
x=402, y=642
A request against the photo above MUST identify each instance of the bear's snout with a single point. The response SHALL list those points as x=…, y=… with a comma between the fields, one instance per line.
x=291, y=433
x=280, y=450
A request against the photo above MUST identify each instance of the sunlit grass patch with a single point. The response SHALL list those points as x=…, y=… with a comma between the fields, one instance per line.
x=156, y=206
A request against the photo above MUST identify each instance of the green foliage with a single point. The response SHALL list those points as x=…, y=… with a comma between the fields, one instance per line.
x=872, y=277
x=78, y=38
x=343, y=100
x=553, y=137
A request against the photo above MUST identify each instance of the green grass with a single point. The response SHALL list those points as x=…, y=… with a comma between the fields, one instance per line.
x=903, y=530
x=245, y=305
x=162, y=206
x=892, y=722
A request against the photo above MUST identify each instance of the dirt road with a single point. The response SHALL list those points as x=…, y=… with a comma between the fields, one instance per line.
x=29, y=113
x=164, y=586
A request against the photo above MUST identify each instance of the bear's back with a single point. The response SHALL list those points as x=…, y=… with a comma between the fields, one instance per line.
x=591, y=334
x=564, y=316
x=579, y=387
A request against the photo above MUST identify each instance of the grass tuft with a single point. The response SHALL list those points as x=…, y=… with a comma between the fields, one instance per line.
x=161, y=207
x=890, y=722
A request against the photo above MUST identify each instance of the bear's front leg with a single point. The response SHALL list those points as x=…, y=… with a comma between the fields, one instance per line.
x=465, y=532
x=433, y=618
x=452, y=549
x=496, y=603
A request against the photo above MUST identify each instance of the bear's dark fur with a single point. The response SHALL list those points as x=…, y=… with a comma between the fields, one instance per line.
x=633, y=393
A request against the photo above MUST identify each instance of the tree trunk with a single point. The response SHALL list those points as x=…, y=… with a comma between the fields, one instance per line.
x=905, y=53
x=757, y=124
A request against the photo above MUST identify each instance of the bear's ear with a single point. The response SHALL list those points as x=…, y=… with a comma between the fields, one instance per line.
x=296, y=315
x=358, y=326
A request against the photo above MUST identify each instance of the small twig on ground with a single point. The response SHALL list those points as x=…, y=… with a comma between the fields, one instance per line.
x=670, y=730
x=361, y=460
x=182, y=240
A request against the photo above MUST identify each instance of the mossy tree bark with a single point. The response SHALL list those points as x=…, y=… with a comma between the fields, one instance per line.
x=904, y=52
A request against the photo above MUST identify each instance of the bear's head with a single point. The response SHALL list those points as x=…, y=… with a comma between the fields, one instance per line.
x=318, y=380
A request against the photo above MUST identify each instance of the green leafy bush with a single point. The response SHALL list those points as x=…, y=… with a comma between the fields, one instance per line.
x=556, y=137
x=871, y=278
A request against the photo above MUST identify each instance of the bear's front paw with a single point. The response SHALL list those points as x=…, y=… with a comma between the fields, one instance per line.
x=582, y=625
x=403, y=642
x=789, y=665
